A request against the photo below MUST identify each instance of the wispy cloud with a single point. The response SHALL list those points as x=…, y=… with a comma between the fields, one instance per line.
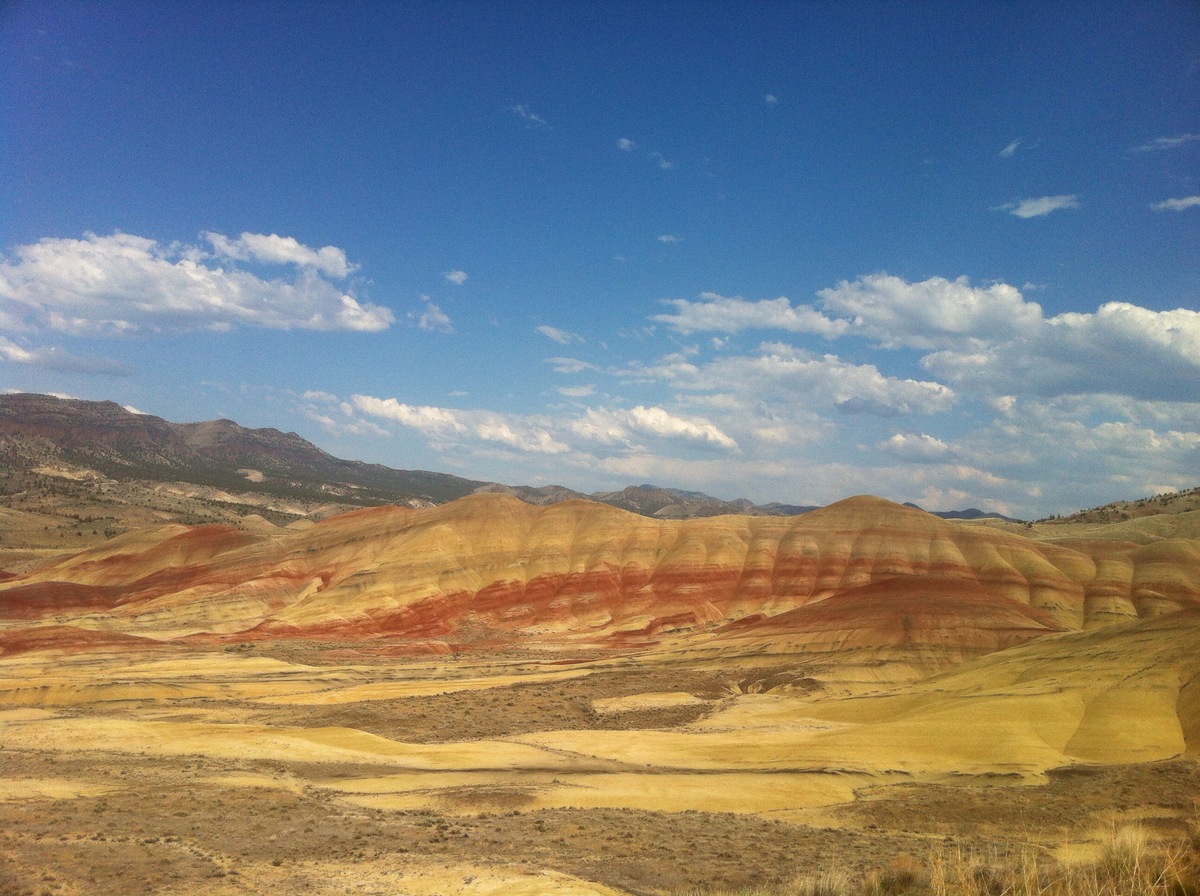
x=662, y=161
x=1036, y=208
x=1159, y=144
x=570, y=365
x=610, y=425
x=55, y=358
x=731, y=314
x=128, y=285
x=527, y=115
x=562, y=337
x=626, y=145
x=458, y=278
x=1177, y=205
x=577, y=391
x=431, y=317
x=771, y=99
x=670, y=238
x=1009, y=151
x=463, y=426
x=432, y=421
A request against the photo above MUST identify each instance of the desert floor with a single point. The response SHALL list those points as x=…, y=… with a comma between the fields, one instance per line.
x=293, y=767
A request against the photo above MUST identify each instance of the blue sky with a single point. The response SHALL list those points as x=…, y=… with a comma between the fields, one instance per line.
x=942, y=252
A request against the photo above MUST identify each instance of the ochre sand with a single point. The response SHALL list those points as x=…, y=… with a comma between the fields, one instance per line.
x=208, y=721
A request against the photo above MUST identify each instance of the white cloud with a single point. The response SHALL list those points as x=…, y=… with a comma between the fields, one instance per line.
x=570, y=365
x=560, y=336
x=662, y=161
x=1121, y=349
x=1076, y=451
x=55, y=358
x=919, y=447
x=274, y=249
x=1177, y=205
x=928, y=313
x=1159, y=144
x=431, y=318
x=458, y=278
x=1009, y=151
x=527, y=115
x=626, y=145
x=794, y=380
x=670, y=238
x=1037, y=208
x=127, y=285
x=726, y=314
x=618, y=425
x=432, y=421
x=577, y=391
x=462, y=427
x=771, y=99
x=495, y=428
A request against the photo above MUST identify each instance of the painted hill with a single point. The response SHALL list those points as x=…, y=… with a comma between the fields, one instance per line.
x=862, y=574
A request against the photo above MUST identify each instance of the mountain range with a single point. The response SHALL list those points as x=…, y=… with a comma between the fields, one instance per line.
x=42, y=435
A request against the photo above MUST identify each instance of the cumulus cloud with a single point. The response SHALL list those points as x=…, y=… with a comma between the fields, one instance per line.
x=560, y=336
x=432, y=421
x=787, y=376
x=919, y=447
x=986, y=341
x=731, y=314
x=126, y=285
x=1121, y=349
x=431, y=318
x=1158, y=144
x=462, y=426
x=619, y=425
x=458, y=278
x=1039, y=207
x=928, y=313
x=993, y=341
x=55, y=358
x=274, y=249
x=1177, y=205
x=1073, y=451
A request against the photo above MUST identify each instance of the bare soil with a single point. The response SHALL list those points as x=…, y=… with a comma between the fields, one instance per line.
x=173, y=825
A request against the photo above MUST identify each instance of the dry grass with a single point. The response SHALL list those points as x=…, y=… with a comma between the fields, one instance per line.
x=1128, y=863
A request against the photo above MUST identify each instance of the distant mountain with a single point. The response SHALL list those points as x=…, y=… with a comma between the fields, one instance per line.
x=971, y=513
x=671, y=503
x=38, y=430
